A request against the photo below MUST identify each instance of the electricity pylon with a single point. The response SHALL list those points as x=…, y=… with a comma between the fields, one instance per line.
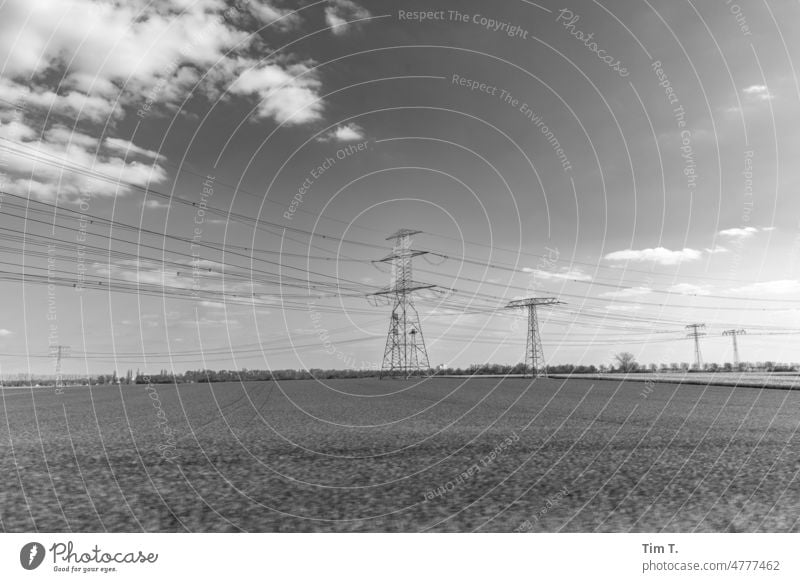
x=59, y=352
x=733, y=333
x=534, y=354
x=405, y=353
x=696, y=334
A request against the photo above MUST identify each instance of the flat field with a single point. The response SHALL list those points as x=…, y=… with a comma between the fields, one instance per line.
x=442, y=454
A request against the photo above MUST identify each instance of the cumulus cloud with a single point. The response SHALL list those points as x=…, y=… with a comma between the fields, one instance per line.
x=776, y=287
x=288, y=95
x=758, y=92
x=564, y=274
x=716, y=250
x=126, y=147
x=344, y=133
x=340, y=15
x=659, y=255
x=123, y=56
x=739, y=233
x=42, y=165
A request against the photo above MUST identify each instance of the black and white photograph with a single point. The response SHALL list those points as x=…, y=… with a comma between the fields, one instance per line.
x=400, y=267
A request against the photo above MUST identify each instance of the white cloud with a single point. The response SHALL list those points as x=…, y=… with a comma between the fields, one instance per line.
x=344, y=133
x=739, y=233
x=154, y=204
x=5, y=333
x=288, y=95
x=628, y=292
x=42, y=165
x=565, y=274
x=123, y=53
x=341, y=13
x=716, y=250
x=659, y=255
x=126, y=147
x=690, y=289
x=777, y=287
x=758, y=92
x=268, y=14
x=92, y=63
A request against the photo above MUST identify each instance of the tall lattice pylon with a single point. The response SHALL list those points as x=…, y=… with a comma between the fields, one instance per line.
x=405, y=353
x=534, y=353
x=697, y=334
x=733, y=333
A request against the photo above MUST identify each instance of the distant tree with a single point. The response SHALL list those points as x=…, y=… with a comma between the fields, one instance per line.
x=685, y=366
x=626, y=361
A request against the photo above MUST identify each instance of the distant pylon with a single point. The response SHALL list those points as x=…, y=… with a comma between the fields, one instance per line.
x=59, y=352
x=405, y=353
x=696, y=334
x=733, y=333
x=534, y=353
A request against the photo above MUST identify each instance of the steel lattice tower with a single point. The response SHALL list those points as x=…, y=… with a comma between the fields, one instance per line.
x=405, y=353
x=534, y=354
x=733, y=333
x=59, y=352
x=696, y=334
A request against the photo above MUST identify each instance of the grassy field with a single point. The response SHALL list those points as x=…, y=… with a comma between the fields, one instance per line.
x=440, y=455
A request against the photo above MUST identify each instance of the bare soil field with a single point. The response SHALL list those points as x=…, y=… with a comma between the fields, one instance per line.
x=442, y=454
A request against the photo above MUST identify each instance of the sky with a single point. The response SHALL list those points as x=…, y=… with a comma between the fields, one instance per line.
x=208, y=184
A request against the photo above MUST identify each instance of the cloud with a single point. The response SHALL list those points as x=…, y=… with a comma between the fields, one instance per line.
x=70, y=164
x=126, y=59
x=628, y=292
x=565, y=274
x=272, y=15
x=125, y=53
x=716, y=250
x=776, y=287
x=154, y=204
x=340, y=14
x=758, y=92
x=739, y=233
x=126, y=147
x=288, y=94
x=659, y=255
x=690, y=289
x=5, y=333
x=344, y=133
